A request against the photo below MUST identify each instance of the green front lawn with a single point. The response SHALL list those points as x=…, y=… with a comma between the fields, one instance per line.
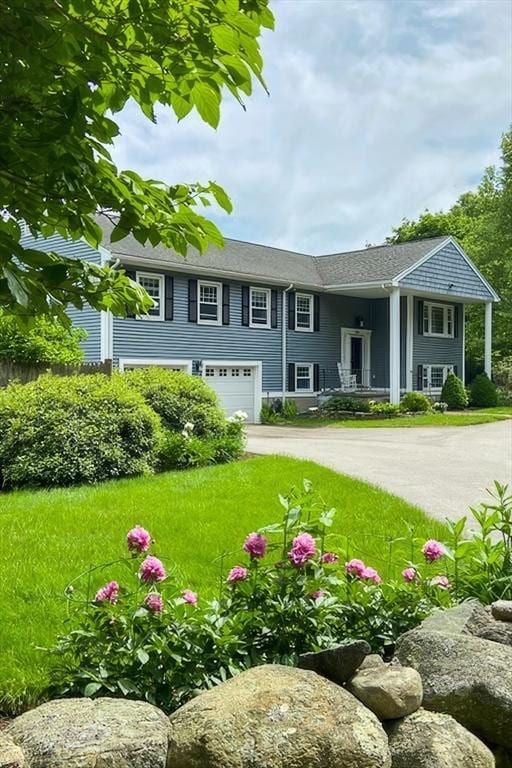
x=451, y=419
x=49, y=537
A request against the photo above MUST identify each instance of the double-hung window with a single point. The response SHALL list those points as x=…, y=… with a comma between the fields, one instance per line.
x=303, y=312
x=304, y=377
x=154, y=286
x=259, y=308
x=434, y=376
x=210, y=296
x=438, y=320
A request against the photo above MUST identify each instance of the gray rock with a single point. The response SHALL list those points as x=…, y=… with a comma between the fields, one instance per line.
x=463, y=619
x=104, y=733
x=276, y=717
x=498, y=632
x=389, y=692
x=336, y=664
x=372, y=661
x=11, y=756
x=430, y=740
x=502, y=610
x=466, y=677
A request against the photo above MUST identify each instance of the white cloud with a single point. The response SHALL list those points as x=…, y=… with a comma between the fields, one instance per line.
x=378, y=108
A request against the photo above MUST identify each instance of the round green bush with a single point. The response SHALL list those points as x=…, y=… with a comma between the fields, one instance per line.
x=415, y=402
x=454, y=393
x=62, y=430
x=483, y=392
x=178, y=398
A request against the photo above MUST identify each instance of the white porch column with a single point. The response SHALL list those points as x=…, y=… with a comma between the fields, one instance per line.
x=410, y=344
x=394, y=346
x=488, y=339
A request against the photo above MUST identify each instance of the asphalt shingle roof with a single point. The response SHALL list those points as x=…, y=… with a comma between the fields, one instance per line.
x=383, y=262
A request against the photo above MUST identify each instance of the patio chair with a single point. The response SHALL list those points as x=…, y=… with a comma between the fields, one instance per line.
x=348, y=380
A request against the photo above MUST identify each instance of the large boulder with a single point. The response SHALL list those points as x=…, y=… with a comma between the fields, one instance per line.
x=276, y=717
x=336, y=664
x=81, y=733
x=466, y=677
x=502, y=610
x=11, y=756
x=430, y=740
x=498, y=632
x=389, y=692
x=466, y=619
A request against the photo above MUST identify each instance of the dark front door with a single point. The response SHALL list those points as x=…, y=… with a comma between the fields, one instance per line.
x=356, y=357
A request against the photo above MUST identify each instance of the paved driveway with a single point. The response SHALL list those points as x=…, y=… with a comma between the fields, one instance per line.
x=443, y=470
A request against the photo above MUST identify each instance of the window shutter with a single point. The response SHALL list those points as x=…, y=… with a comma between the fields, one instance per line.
x=169, y=298
x=419, y=381
x=225, y=304
x=456, y=320
x=291, y=311
x=131, y=274
x=291, y=377
x=273, y=309
x=245, y=305
x=192, y=301
x=316, y=313
x=456, y=370
x=316, y=377
x=421, y=305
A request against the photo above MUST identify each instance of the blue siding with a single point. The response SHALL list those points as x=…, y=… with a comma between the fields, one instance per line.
x=179, y=339
x=88, y=318
x=447, y=273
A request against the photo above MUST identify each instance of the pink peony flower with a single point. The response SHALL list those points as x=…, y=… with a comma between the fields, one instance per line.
x=409, y=574
x=328, y=558
x=441, y=581
x=372, y=575
x=432, y=550
x=152, y=569
x=303, y=549
x=317, y=595
x=355, y=567
x=255, y=545
x=154, y=602
x=238, y=573
x=138, y=539
x=189, y=596
x=108, y=593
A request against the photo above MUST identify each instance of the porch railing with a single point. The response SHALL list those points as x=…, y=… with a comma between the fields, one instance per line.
x=346, y=379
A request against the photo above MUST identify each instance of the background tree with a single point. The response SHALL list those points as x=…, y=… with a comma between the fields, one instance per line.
x=482, y=223
x=66, y=68
x=44, y=342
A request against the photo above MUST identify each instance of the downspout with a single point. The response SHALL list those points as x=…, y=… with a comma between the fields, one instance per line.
x=284, y=328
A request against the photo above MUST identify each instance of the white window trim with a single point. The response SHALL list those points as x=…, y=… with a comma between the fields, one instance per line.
x=268, y=294
x=311, y=382
x=446, y=370
x=310, y=298
x=160, y=278
x=445, y=307
x=124, y=362
x=209, y=283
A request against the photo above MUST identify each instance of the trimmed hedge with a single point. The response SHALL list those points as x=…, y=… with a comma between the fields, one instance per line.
x=338, y=404
x=454, y=393
x=415, y=402
x=62, y=430
x=483, y=392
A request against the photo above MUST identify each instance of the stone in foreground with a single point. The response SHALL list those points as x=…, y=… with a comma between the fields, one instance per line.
x=389, y=692
x=430, y=740
x=502, y=610
x=498, y=632
x=337, y=664
x=276, y=717
x=81, y=733
x=11, y=756
x=466, y=677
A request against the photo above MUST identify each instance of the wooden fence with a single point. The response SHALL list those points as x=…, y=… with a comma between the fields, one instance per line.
x=24, y=372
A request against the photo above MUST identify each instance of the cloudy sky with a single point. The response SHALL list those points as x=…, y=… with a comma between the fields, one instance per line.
x=378, y=109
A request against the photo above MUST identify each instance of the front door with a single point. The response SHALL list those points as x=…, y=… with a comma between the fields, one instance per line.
x=356, y=357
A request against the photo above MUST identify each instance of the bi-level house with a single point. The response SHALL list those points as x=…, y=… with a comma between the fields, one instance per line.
x=257, y=321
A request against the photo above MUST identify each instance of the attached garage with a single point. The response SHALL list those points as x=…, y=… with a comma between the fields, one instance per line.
x=130, y=363
x=238, y=385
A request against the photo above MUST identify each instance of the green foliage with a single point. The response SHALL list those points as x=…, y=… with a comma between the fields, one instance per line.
x=415, y=402
x=178, y=398
x=482, y=562
x=338, y=405
x=277, y=412
x=43, y=342
x=483, y=392
x=67, y=70
x=481, y=221
x=62, y=430
x=384, y=409
x=454, y=393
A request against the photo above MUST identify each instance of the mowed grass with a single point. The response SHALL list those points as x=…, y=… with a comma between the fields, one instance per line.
x=451, y=419
x=49, y=537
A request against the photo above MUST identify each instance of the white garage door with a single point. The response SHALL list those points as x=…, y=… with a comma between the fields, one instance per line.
x=235, y=386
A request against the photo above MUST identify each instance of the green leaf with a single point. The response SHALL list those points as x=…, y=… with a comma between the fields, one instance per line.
x=142, y=656
x=92, y=688
x=207, y=103
x=226, y=38
x=221, y=197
